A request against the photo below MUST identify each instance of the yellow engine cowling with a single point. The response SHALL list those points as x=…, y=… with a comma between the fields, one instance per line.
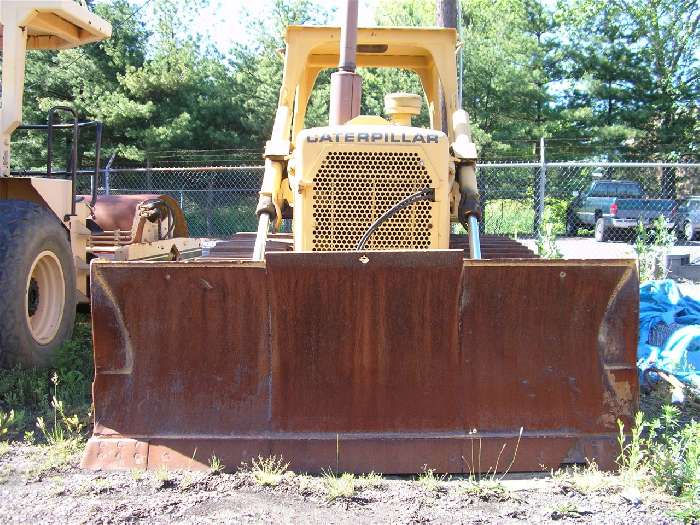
x=345, y=177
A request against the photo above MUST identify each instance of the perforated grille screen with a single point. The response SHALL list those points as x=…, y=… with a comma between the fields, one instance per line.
x=352, y=189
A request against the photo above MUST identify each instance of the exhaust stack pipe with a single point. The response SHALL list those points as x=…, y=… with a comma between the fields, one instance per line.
x=346, y=84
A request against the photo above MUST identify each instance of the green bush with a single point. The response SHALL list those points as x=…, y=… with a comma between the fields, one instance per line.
x=516, y=217
x=665, y=453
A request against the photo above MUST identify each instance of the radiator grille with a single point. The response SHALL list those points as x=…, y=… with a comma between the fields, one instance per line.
x=352, y=189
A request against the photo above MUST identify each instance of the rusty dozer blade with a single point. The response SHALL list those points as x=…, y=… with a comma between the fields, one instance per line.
x=383, y=361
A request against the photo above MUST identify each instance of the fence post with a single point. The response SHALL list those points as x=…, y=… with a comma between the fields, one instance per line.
x=107, y=178
x=540, y=189
x=210, y=203
x=149, y=175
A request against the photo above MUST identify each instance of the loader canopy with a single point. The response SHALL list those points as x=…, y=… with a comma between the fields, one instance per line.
x=429, y=52
x=54, y=24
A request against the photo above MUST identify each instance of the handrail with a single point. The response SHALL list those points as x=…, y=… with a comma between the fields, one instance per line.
x=74, y=150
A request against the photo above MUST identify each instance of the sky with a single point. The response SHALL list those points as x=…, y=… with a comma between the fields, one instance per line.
x=226, y=25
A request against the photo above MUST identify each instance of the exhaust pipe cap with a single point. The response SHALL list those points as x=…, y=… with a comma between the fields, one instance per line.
x=401, y=107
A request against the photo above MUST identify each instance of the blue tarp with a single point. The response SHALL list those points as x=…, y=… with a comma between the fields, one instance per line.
x=674, y=312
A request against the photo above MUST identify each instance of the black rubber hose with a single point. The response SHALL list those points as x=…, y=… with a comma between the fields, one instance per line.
x=422, y=195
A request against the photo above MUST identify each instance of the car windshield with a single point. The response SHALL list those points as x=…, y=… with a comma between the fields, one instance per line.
x=629, y=190
x=603, y=189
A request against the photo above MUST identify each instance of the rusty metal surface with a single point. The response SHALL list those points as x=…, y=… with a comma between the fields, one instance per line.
x=373, y=339
x=384, y=363
x=492, y=246
x=117, y=212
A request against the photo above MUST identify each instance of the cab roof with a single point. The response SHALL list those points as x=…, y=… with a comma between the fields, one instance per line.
x=408, y=47
x=55, y=24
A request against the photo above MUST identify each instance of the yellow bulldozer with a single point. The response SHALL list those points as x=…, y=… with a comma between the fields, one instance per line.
x=371, y=338
x=48, y=233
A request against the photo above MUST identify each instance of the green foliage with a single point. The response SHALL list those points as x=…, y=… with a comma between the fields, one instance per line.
x=674, y=455
x=652, y=249
x=7, y=420
x=547, y=242
x=215, y=465
x=622, y=74
x=338, y=485
x=430, y=481
x=666, y=450
x=64, y=427
x=32, y=393
x=267, y=471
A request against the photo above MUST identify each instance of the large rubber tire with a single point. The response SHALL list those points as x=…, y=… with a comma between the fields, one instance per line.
x=602, y=232
x=37, y=284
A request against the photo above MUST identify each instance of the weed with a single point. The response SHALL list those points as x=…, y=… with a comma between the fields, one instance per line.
x=29, y=392
x=137, y=474
x=215, y=465
x=652, y=248
x=567, y=510
x=163, y=476
x=632, y=460
x=64, y=427
x=186, y=481
x=56, y=456
x=674, y=455
x=475, y=468
x=586, y=479
x=268, y=471
x=4, y=448
x=338, y=486
x=670, y=454
x=6, y=421
x=371, y=480
x=688, y=514
x=429, y=480
x=547, y=242
x=29, y=437
x=485, y=490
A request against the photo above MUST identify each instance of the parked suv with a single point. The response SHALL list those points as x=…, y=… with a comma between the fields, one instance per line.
x=688, y=218
x=615, y=205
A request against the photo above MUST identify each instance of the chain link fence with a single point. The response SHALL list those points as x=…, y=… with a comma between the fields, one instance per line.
x=218, y=201
x=602, y=199
x=605, y=200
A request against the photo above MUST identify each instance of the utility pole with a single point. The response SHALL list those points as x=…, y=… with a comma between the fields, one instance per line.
x=446, y=16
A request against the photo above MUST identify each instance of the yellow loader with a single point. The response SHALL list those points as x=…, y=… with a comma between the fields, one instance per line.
x=371, y=338
x=48, y=233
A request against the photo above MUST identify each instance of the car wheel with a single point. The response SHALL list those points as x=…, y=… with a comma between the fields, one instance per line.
x=602, y=232
x=688, y=232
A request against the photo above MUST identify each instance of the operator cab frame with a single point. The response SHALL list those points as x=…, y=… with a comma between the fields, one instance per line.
x=429, y=52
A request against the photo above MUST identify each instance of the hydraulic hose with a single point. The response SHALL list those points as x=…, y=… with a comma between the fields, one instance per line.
x=422, y=195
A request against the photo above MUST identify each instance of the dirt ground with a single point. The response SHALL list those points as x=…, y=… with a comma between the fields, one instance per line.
x=43, y=484
x=36, y=488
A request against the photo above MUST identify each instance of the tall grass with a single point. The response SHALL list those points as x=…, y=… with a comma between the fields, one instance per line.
x=45, y=393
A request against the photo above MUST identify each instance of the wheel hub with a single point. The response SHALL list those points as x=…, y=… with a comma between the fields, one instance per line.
x=45, y=297
x=32, y=297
